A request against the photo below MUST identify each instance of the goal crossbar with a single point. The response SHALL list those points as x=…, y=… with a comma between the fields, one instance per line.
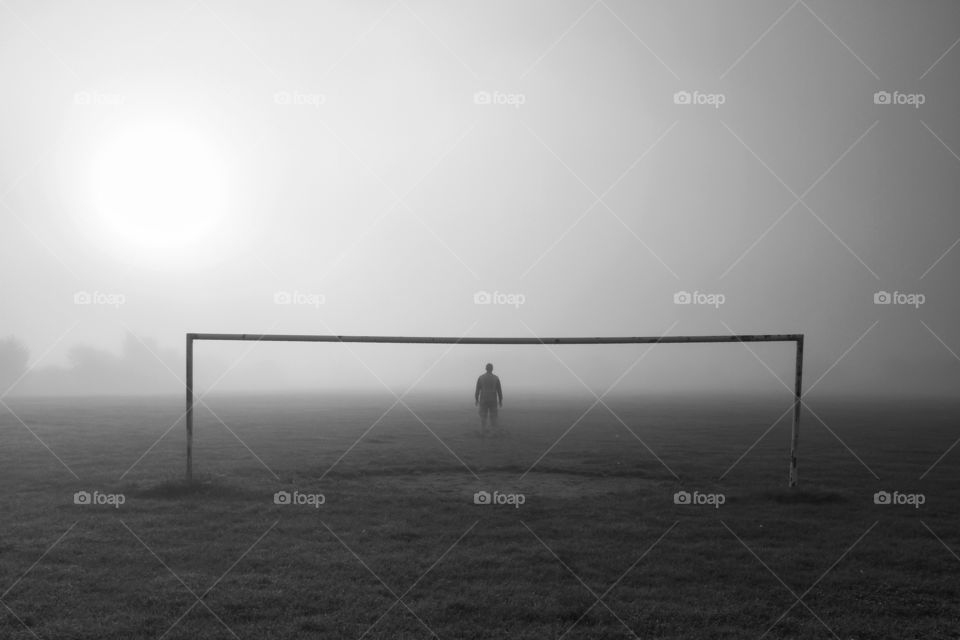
x=796, y=338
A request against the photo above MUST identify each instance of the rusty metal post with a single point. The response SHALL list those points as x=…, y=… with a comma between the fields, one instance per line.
x=189, y=409
x=795, y=430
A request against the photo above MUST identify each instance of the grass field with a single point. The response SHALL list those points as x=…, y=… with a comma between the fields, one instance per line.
x=398, y=549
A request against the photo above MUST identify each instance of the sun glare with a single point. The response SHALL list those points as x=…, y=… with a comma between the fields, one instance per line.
x=157, y=189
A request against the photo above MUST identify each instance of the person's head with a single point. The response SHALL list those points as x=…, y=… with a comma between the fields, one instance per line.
x=489, y=368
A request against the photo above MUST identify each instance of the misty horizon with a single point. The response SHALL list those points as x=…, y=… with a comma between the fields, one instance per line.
x=622, y=169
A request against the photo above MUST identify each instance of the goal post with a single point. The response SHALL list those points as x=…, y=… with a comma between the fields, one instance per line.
x=796, y=338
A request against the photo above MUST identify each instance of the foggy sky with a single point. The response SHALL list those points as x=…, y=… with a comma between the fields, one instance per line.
x=364, y=176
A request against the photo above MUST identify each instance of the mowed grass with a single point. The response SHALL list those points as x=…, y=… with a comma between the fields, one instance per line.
x=598, y=549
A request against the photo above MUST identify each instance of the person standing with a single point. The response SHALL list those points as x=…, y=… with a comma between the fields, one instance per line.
x=488, y=396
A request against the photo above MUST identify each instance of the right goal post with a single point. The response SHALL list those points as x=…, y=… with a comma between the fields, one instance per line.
x=796, y=338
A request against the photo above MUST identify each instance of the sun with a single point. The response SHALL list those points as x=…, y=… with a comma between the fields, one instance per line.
x=157, y=189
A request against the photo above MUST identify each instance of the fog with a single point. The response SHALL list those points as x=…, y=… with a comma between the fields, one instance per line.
x=485, y=169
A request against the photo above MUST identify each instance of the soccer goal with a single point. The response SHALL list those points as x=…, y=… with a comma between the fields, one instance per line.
x=796, y=338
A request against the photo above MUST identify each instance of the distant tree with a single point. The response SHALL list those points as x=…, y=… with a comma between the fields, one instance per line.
x=14, y=357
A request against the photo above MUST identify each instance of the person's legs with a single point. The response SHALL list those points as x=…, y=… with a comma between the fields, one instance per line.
x=493, y=417
x=483, y=417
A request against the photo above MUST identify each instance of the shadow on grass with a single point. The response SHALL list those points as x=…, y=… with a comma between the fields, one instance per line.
x=381, y=468
x=200, y=488
x=803, y=496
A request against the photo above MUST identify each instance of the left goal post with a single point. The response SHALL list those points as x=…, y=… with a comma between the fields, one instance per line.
x=796, y=338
